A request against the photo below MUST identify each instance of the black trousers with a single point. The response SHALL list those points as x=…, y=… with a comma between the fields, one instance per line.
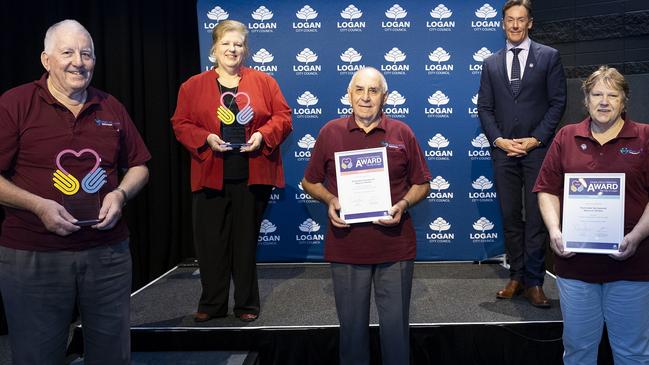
x=525, y=234
x=226, y=227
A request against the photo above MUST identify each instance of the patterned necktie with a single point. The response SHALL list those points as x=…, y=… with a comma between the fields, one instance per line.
x=515, y=79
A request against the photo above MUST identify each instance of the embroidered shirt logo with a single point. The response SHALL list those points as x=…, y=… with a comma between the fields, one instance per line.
x=106, y=123
x=393, y=145
x=628, y=151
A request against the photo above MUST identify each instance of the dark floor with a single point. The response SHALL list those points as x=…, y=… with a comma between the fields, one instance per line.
x=5, y=352
x=302, y=296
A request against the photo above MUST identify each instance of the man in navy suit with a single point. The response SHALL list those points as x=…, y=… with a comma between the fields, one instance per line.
x=521, y=100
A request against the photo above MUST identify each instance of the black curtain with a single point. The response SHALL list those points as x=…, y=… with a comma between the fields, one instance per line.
x=145, y=50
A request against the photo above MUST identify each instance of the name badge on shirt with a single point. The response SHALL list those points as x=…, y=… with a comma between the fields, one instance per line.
x=107, y=123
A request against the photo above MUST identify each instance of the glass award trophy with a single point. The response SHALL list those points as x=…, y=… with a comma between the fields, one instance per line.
x=81, y=200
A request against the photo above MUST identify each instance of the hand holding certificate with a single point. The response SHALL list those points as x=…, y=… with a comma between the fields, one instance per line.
x=363, y=185
x=593, y=212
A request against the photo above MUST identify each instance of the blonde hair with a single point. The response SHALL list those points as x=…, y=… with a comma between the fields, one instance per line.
x=611, y=77
x=227, y=26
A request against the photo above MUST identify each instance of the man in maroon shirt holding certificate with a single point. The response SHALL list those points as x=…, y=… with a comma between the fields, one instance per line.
x=381, y=252
x=63, y=242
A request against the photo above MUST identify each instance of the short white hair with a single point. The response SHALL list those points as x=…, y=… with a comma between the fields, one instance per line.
x=384, y=83
x=50, y=35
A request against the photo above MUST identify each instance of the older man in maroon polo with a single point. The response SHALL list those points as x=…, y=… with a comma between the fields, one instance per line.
x=381, y=252
x=63, y=146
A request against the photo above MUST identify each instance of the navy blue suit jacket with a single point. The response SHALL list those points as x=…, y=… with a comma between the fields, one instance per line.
x=538, y=107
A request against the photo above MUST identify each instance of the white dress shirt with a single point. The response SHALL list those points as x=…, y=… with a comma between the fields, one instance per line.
x=522, y=56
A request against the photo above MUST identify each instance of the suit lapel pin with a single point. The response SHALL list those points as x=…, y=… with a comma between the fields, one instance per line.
x=531, y=65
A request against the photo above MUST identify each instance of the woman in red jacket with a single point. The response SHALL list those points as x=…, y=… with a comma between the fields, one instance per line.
x=232, y=119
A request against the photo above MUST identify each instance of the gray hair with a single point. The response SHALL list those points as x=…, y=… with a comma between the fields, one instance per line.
x=50, y=35
x=384, y=83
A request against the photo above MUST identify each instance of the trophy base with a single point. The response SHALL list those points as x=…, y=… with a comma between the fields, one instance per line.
x=84, y=207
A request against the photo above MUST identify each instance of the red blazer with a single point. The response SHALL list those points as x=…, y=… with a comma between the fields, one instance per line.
x=195, y=118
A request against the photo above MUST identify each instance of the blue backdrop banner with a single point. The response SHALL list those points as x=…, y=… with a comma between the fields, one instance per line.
x=431, y=54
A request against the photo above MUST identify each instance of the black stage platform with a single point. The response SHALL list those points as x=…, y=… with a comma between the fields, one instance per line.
x=455, y=318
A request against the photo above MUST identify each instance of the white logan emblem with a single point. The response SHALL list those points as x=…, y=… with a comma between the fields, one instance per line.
x=483, y=224
x=438, y=141
x=395, y=55
x=306, y=13
x=351, y=55
x=267, y=227
x=486, y=11
x=439, y=225
x=441, y=12
x=309, y=226
x=394, y=99
x=262, y=13
x=307, y=141
x=482, y=183
x=217, y=14
x=306, y=56
x=438, y=98
x=307, y=99
x=351, y=12
x=262, y=56
x=439, y=184
x=396, y=12
x=439, y=55
x=480, y=141
x=481, y=54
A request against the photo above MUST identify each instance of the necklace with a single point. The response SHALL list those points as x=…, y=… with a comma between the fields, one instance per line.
x=236, y=89
x=224, y=114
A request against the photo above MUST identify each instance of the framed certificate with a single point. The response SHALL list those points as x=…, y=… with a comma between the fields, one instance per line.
x=593, y=212
x=363, y=185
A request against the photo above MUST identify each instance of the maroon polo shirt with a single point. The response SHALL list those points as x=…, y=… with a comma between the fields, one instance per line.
x=34, y=128
x=574, y=150
x=368, y=243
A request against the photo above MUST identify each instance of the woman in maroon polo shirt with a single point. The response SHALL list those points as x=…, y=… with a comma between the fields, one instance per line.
x=596, y=288
x=232, y=119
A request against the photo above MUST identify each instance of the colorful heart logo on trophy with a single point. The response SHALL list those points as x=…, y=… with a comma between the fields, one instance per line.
x=243, y=117
x=69, y=185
